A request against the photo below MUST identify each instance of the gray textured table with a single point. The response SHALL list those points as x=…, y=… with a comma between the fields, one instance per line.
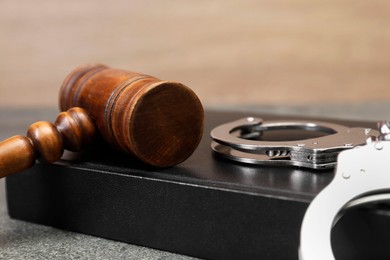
x=22, y=240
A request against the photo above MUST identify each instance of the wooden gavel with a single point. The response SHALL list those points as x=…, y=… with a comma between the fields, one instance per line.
x=159, y=122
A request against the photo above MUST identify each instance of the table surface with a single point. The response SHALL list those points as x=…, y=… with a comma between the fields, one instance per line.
x=19, y=239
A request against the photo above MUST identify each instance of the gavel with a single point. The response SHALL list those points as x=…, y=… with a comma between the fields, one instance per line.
x=159, y=122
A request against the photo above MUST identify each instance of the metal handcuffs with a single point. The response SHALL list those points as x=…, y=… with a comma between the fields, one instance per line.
x=362, y=177
x=362, y=174
x=316, y=153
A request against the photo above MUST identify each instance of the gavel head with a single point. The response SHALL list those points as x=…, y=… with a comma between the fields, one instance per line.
x=160, y=122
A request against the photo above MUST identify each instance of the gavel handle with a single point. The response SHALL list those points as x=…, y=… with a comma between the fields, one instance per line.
x=46, y=142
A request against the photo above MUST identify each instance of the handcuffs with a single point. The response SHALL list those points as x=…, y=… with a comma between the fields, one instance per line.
x=235, y=141
x=361, y=176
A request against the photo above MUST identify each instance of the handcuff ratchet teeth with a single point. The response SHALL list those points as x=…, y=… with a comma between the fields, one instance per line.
x=241, y=141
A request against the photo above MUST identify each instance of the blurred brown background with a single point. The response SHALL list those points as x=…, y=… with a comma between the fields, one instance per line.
x=248, y=52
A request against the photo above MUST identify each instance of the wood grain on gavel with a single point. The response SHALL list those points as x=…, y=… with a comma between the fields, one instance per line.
x=160, y=122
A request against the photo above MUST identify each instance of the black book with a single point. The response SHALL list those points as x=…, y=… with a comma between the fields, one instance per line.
x=207, y=207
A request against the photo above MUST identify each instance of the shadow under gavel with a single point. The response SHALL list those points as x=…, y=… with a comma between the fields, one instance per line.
x=159, y=122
